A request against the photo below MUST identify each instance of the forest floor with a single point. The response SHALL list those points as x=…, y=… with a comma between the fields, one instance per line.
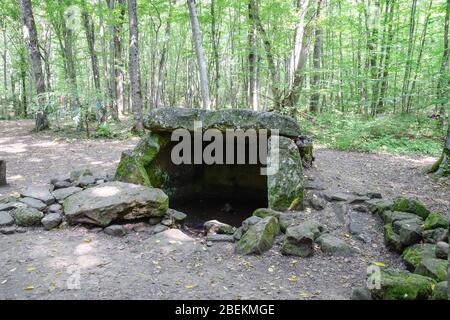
x=42, y=264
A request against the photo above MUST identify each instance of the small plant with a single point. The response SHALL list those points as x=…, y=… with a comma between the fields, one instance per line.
x=104, y=130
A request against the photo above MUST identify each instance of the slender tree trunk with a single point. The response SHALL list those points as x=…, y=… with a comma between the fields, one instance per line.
x=252, y=59
x=135, y=75
x=444, y=81
x=31, y=41
x=302, y=8
x=119, y=66
x=315, y=81
x=196, y=33
x=215, y=49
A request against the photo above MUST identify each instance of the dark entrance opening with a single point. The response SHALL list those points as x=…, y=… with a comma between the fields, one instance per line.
x=228, y=193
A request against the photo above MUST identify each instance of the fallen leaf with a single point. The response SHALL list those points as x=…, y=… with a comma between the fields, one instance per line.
x=270, y=269
x=31, y=269
x=87, y=240
x=29, y=288
x=379, y=264
x=4, y=281
x=190, y=286
x=293, y=278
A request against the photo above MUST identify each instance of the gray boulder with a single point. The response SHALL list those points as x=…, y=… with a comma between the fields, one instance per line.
x=393, y=216
x=409, y=231
x=176, y=215
x=285, y=188
x=220, y=238
x=6, y=219
x=11, y=206
x=62, y=184
x=435, y=235
x=259, y=237
x=442, y=250
x=441, y=291
x=51, y=220
x=56, y=207
x=331, y=244
x=34, y=203
x=62, y=194
x=214, y=226
x=247, y=223
x=102, y=204
x=288, y=219
x=42, y=193
x=433, y=268
x=299, y=239
x=27, y=217
x=85, y=180
x=115, y=231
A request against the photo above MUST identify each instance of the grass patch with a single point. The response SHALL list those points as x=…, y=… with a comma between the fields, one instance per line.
x=398, y=134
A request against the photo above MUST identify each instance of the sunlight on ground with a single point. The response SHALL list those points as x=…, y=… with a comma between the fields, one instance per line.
x=105, y=192
x=14, y=148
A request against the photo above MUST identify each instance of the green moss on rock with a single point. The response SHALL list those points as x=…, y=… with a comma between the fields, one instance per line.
x=403, y=285
x=441, y=291
x=433, y=268
x=412, y=206
x=259, y=237
x=413, y=255
x=435, y=220
x=391, y=239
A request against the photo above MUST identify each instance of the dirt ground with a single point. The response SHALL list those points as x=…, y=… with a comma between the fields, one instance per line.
x=77, y=263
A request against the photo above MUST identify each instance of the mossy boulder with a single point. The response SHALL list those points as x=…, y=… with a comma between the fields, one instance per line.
x=403, y=285
x=27, y=217
x=133, y=166
x=288, y=219
x=412, y=206
x=393, y=216
x=413, y=255
x=409, y=231
x=433, y=268
x=378, y=206
x=392, y=239
x=441, y=291
x=170, y=119
x=435, y=235
x=285, y=187
x=299, y=239
x=435, y=220
x=259, y=238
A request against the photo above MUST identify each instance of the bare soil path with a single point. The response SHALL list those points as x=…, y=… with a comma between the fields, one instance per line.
x=77, y=263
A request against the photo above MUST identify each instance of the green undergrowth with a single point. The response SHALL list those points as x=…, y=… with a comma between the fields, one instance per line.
x=398, y=134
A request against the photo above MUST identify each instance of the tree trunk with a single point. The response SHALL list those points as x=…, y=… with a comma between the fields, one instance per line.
x=315, y=81
x=252, y=58
x=135, y=76
x=196, y=33
x=2, y=173
x=444, y=81
x=31, y=41
x=119, y=66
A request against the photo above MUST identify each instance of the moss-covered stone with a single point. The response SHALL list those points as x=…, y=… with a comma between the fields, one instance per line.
x=433, y=268
x=333, y=245
x=403, y=285
x=285, y=186
x=391, y=239
x=133, y=166
x=27, y=217
x=412, y=206
x=170, y=119
x=393, y=216
x=435, y=220
x=259, y=237
x=378, y=206
x=413, y=255
x=435, y=235
x=441, y=291
x=299, y=239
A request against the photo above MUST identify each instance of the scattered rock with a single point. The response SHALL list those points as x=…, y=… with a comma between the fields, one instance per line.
x=441, y=291
x=167, y=222
x=360, y=208
x=403, y=285
x=355, y=228
x=433, y=268
x=378, y=206
x=341, y=211
x=176, y=215
x=6, y=219
x=11, y=206
x=331, y=244
x=299, y=239
x=171, y=240
x=76, y=174
x=56, y=207
x=288, y=219
x=442, y=250
x=374, y=195
x=238, y=233
x=361, y=294
x=34, y=203
x=214, y=226
x=359, y=200
x=115, y=231
x=317, y=203
x=51, y=220
x=28, y=216
x=410, y=231
x=412, y=206
x=436, y=235
x=60, y=179
x=62, y=194
x=314, y=186
x=100, y=205
x=62, y=184
x=219, y=238
x=85, y=180
x=160, y=228
x=434, y=221
x=42, y=193
x=391, y=239
x=413, y=255
x=8, y=230
x=394, y=216
x=247, y=223
x=259, y=237
x=338, y=196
